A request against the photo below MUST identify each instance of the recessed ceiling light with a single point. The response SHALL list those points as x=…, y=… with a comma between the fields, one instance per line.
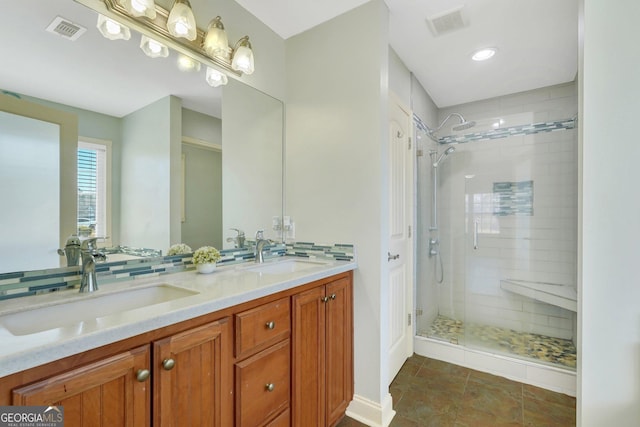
x=484, y=54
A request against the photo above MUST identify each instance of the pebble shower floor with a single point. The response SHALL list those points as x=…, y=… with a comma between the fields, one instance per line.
x=548, y=350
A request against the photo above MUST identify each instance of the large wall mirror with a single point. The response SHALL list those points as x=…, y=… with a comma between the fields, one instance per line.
x=187, y=162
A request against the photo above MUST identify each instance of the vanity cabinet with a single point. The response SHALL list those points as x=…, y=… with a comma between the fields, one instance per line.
x=111, y=392
x=285, y=359
x=322, y=358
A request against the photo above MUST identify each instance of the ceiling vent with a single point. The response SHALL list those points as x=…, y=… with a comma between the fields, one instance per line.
x=448, y=21
x=65, y=28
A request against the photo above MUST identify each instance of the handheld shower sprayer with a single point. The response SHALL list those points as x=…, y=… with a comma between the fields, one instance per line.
x=444, y=154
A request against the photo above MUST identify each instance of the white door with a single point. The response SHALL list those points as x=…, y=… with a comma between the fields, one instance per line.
x=400, y=229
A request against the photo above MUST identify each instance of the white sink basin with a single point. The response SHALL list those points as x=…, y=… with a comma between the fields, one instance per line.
x=89, y=308
x=284, y=267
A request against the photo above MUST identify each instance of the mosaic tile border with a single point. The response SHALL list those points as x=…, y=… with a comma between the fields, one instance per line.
x=26, y=283
x=526, y=129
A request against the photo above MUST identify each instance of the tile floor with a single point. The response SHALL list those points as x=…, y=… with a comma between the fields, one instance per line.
x=428, y=392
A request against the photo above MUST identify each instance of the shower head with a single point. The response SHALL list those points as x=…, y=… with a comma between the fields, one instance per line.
x=464, y=124
x=443, y=155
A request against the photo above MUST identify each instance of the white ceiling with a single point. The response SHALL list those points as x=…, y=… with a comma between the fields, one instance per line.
x=537, y=41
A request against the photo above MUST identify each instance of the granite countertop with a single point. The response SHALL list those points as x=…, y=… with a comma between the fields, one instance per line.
x=226, y=287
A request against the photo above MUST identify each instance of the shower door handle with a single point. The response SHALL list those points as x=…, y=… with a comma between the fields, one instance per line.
x=475, y=233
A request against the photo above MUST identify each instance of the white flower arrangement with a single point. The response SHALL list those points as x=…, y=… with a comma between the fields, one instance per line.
x=179, y=249
x=206, y=255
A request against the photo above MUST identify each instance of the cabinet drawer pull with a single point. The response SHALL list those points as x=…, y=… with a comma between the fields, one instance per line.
x=324, y=299
x=270, y=387
x=270, y=325
x=168, y=364
x=142, y=375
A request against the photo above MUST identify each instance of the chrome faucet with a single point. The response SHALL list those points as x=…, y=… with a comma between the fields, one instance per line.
x=260, y=242
x=89, y=254
x=238, y=241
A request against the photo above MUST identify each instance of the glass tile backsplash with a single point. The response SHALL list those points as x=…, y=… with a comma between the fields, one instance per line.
x=25, y=283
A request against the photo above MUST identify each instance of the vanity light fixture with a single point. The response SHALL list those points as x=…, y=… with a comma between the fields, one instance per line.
x=188, y=64
x=484, y=54
x=216, y=42
x=153, y=48
x=243, y=56
x=140, y=7
x=181, y=21
x=215, y=78
x=112, y=29
x=175, y=29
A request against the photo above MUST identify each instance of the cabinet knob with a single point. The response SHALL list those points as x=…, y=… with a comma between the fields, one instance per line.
x=142, y=375
x=324, y=299
x=270, y=386
x=270, y=325
x=333, y=296
x=168, y=364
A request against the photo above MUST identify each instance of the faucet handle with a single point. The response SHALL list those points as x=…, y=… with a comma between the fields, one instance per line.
x=237, y=230
x=260, y=234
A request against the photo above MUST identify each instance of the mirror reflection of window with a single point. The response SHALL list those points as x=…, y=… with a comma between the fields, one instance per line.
x=94, y=182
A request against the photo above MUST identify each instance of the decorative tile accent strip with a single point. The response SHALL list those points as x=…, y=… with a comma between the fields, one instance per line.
x=513, y=198
x=19, y=284
x=338, y=251
x=527, y=129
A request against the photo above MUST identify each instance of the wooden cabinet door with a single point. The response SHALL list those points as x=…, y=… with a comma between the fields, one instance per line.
x=103, y=393
x=339, y=351
x=193, y=379
x=308, y=358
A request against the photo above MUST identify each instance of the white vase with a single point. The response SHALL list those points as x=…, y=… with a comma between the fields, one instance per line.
x=206, y=268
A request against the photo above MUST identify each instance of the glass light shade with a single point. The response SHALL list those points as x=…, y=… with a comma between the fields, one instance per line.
x=215, y=78
x=112, y=29
x=181, y=22
x=153, y=48
x=243, y=57
x=186, y=63
x=216, y=42
x=140, y=7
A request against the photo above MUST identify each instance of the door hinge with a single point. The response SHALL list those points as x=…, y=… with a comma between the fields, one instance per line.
x=409, y=143
x=409, y=232
x=419, y=153
x=409, y=319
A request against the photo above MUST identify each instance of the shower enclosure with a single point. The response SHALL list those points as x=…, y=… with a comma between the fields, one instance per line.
x=496, y=248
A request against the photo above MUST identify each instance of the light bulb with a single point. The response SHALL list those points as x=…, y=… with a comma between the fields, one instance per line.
x=216, y=42
x=186, y=63
x=112, y=29
x=152, y=48
x=215, y=78
x=243, y=56
x=181, y=22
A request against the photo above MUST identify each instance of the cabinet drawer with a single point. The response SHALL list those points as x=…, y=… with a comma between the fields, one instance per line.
x=263, y=385
x=260, y=327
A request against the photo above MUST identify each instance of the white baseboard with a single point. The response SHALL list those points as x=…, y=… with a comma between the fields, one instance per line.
x=371, y=413
x=543, y=376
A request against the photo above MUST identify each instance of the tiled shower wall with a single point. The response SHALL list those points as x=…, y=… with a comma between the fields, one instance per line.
x=539, y=247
